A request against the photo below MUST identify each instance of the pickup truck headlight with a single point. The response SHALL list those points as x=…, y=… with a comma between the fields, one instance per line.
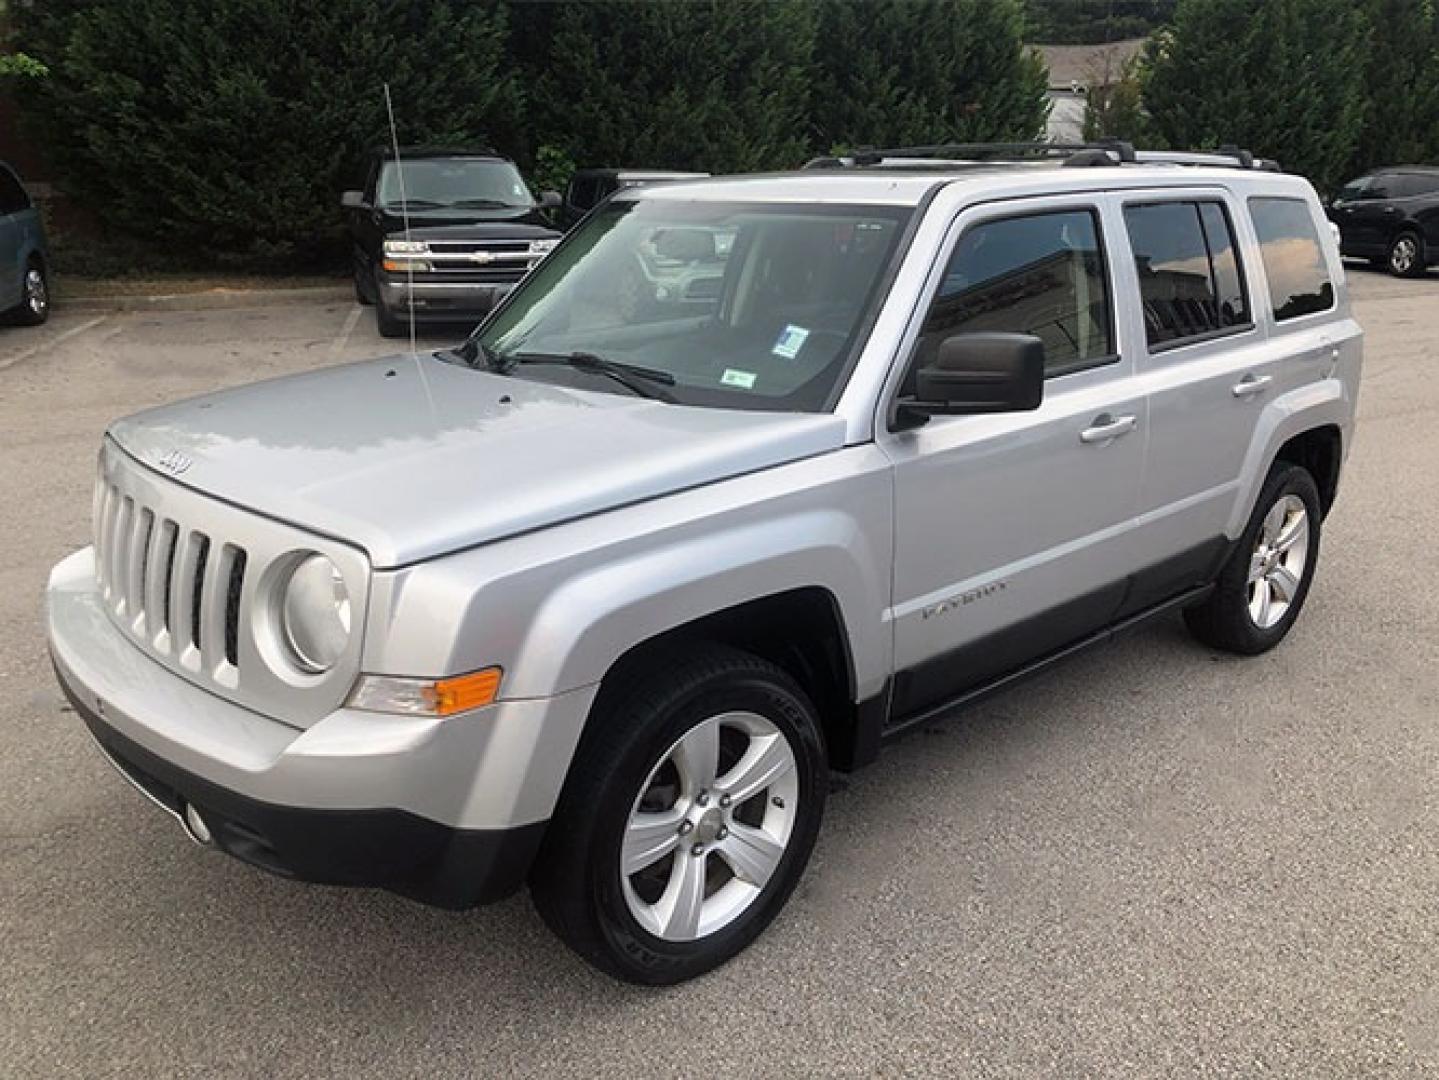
x=406, y=247
x=315, y=614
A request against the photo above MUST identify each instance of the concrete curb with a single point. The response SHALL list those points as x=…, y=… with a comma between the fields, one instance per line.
x=209, y=299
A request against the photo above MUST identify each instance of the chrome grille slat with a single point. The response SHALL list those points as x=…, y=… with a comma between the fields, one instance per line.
x=103, y=538
x=213, y=590
x=120, y=555
x=137, y=548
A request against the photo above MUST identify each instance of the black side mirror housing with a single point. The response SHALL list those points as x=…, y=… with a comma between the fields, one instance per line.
x=550, y=200
x=352, y=200
x=979, y=373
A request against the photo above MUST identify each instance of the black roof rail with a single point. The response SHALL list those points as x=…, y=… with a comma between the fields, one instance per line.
x=1107, y=151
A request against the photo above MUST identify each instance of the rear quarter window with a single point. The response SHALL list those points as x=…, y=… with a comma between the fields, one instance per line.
x=1294, y=264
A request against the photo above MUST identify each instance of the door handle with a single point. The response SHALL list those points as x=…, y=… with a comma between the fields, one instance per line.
x=1251, y=385
x=1106, y=427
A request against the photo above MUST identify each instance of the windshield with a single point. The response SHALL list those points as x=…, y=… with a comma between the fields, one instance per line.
x=451, y=182
x=750, y=306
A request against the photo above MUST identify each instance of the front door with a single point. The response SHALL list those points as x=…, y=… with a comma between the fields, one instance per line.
x=1011, y=531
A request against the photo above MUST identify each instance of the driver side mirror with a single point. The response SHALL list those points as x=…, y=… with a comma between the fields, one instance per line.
x=550, y=200
x=352, y=200
x=978, y=373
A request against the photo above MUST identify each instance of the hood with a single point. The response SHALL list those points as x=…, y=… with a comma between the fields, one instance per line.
x=520, y=222
x=413, y=457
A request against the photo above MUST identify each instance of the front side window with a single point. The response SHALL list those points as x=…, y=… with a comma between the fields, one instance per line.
x=1293, y=260
x=1190, y=282
x=452, y=183
x=1042, y=274
x=741, y=305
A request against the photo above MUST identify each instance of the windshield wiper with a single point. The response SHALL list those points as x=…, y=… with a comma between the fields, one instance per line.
x=423, y=204
x=483, y=204
x=634, y=378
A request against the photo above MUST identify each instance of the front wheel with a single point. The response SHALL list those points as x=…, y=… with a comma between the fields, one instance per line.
x=1262, y=587
x=690, y=814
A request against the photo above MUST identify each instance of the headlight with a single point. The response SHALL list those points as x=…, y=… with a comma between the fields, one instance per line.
x=315, y=614
x=542, y=247
x=406, y=247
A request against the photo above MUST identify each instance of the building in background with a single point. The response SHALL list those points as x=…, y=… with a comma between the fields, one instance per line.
x=1075, y=70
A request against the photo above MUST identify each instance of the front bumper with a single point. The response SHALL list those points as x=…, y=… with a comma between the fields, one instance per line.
x=440, y=299
x=450, y=811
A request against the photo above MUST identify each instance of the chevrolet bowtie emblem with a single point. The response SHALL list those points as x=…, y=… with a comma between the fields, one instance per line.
x=174, y=462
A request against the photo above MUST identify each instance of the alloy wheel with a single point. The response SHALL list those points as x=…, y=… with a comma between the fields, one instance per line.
x=709, y=827
x=1403, y=255
x=1276, y=567
x=37, y=296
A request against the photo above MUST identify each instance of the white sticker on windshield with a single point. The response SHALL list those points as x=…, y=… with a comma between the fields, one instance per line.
x=791, y=341
x=742, y=379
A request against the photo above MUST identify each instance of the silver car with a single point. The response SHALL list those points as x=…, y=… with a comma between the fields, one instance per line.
x=24, y=262
x=595, y=602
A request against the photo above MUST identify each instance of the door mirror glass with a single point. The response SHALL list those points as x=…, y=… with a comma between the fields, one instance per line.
x=352, y=200
x=550, y=200
x=981, y=373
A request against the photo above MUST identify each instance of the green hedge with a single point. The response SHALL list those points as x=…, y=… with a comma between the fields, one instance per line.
x=224, y=131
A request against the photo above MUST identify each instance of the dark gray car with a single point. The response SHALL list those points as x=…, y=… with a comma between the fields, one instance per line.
x=24, y=264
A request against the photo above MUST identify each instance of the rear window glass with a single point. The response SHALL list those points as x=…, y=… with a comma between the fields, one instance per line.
x=1293, y=260
x=1189, y=277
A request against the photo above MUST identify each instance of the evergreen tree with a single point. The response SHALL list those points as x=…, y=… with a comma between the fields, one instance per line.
x=1283, y=78
x=718, y=85
x=1402, y=78
x=896, y=72
x=230, y=127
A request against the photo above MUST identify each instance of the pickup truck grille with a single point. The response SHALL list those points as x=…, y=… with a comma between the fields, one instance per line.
x=174, y=588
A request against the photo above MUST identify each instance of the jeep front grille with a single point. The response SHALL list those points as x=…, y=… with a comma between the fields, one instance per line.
x=172, y=587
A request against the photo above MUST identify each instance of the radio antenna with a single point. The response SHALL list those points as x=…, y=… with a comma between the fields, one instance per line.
x=404, y=217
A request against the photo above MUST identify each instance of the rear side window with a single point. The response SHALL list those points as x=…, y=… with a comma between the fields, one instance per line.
x=1041, y=274
x=1190, y=281
x=1293, y=260
x=12, y=195
x=1407, y=185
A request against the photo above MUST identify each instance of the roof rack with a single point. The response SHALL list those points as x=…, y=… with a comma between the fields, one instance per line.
x=1105, y=152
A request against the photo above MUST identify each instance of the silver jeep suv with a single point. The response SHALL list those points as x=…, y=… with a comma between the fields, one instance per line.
x=597, y=600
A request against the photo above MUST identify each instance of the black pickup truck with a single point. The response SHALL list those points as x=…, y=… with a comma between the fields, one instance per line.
x=443, y=233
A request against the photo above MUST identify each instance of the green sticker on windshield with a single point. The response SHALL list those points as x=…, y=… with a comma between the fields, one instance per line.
x=742, y=379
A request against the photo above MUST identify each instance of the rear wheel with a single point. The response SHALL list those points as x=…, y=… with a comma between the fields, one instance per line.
x=1261, y=590
x=34, y=307
x=689, y=815
x=1406, y=255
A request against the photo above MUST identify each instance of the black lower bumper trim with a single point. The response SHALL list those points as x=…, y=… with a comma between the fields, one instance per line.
x=383, y=848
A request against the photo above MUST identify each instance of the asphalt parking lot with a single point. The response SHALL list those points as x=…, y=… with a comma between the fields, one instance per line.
x=1152, y=861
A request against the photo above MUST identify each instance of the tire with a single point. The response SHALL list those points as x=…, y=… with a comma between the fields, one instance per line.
x=645, y=758
x=362, y=293
x=34, y=306
x=1247, y=616
x=388, y=324
x=1405, y=257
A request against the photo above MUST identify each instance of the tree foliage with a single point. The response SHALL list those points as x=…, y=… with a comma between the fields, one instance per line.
x=903, y=72
x=228, y=128
x=1284, y=78
x=1401, y=125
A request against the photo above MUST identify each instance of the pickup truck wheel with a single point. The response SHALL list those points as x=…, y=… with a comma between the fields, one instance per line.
x=1262, y=587
x=389, y=326
x=690, y=813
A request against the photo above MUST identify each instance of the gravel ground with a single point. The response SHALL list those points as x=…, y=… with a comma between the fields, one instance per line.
x=1152, y=861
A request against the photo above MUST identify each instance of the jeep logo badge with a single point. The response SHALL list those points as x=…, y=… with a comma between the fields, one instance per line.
x=174, y=462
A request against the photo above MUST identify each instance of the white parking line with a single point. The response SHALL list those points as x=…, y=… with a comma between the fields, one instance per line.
x=343, y=337
x=35, y=350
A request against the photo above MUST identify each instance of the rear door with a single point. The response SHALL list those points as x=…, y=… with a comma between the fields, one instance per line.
x=1011, y=530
